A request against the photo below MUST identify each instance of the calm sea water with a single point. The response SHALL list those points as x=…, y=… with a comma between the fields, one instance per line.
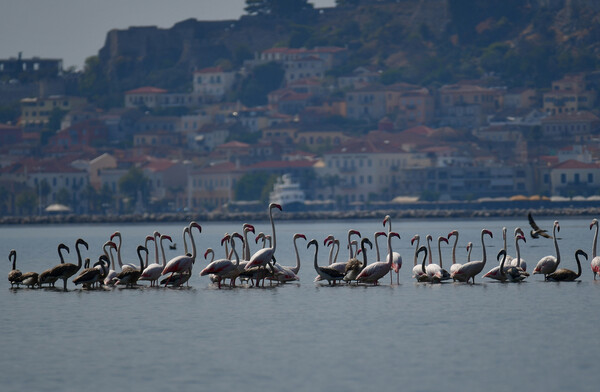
x=304, y=336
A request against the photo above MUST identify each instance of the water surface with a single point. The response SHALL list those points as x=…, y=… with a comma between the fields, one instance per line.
x=303, y=336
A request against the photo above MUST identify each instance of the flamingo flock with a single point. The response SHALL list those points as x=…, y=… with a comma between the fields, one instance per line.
x=253, y=269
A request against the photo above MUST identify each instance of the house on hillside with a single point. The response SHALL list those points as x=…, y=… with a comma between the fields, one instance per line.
x=211, y=84
x=573, y=178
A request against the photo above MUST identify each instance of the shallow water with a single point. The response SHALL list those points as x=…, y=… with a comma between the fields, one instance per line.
x=304, y=336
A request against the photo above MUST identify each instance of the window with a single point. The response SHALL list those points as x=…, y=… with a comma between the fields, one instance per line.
x=563, y=178
x=590, y=177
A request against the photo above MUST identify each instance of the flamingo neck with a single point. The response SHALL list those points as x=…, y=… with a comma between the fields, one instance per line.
x=424, y=259
x=234, y=251
x=297, y=267
x=193, y=244
x=578, y=265
x=429, y=250
x=337, y=250
x=146, y=245
x=316, y=253
x=389, y=245
x=377, y=247
x=119, y=252
x=483, y=246
x=556, y=246
x=440, y=250
x=162, y=251
x=273, y=229
x=350, y=244
x=331, y=253
x=454, y=249
x=502, y=265
x=518, y=250
x=504, y=238
x=246, y=246
x=62, y=259
x=79, y=260
x=469, y=254
x=156, y=240
x=14, y=259
x=595, y=241
x=364, y=251
x=416, y=252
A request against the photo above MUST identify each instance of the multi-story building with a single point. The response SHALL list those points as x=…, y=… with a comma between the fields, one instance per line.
x=570, y=125
x=572, y=178
x=211, y=84
x=569, y=95
x=36, y=112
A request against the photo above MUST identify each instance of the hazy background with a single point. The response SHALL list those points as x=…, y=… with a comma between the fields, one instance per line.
x=73, y=30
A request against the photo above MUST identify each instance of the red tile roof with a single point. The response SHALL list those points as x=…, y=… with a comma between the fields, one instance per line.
x=573, y=164
x=147, y=90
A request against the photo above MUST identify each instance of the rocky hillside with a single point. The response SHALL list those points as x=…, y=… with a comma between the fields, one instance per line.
x=524, y=42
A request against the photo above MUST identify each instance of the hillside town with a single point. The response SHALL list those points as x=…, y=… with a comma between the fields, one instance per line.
x=347, y=140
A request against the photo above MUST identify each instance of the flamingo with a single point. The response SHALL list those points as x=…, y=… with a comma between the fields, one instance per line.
x=46, y=277
x=548, y=264
x=263, y=256
x=455, y=266
x=509, y=258
x=66, y=270
x=418, y=271
x=111, y=274
x=511, y=273
x=566, y=275
x=435, y=272
x=595, y=264
x=471, y=269
x=288, y=273
x=123, y=266
x=520, y=262
x=377, y=270
x=225, y=268
x=183, y=263
x=14, y=275
x=341, y=266
x=128, y=276
x=396, y=258
x=153, y=271
x=90, y=276
x=29, y=279
x=335, y=244
x=497, y=273
x=326, y=273
x=355, y=267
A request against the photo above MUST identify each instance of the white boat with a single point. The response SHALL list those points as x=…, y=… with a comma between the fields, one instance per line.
x=285, y=192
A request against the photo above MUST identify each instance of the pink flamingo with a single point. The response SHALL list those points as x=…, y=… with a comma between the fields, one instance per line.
x=595, y=264
x=469, y=270
x=396, y=258
x=263, y=256
x=377, y=270
x=183, y=263
x=548, y=264
x=153, y=271
x=225, y=268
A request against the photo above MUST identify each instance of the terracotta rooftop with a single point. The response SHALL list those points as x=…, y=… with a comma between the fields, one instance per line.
x=147, y=90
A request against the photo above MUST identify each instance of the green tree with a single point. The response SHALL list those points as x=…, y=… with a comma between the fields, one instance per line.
x=133, y=184
x=26, y=201
x=63, y=196
x=279, y=8
x=56, y=117
x=262, y=80
x=254, y=186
